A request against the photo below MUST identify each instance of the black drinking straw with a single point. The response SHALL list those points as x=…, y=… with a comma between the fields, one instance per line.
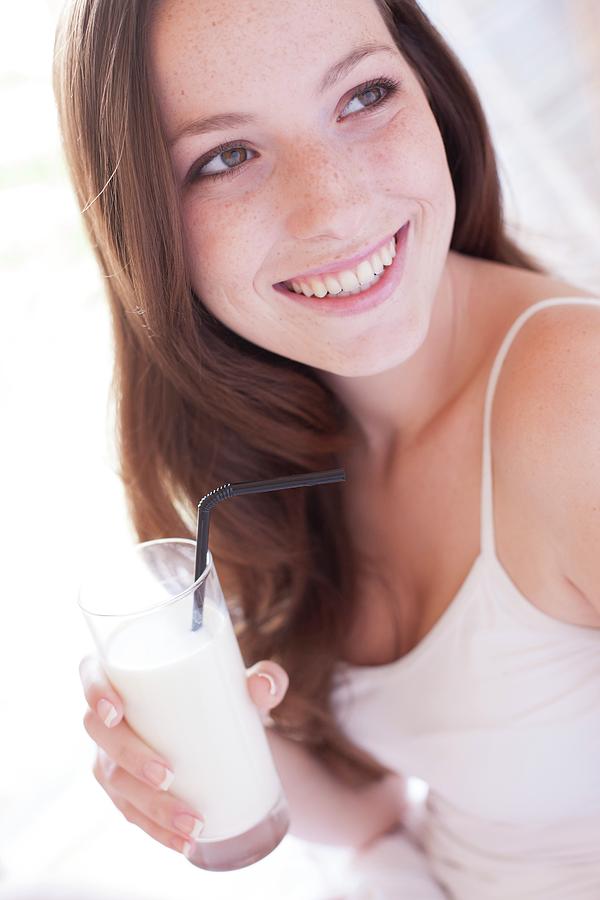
x=210, y=500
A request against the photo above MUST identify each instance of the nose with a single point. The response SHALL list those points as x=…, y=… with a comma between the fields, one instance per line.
x=324, y=195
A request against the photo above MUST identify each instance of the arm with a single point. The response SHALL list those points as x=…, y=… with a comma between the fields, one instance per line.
x=324, y=809
x=549, y=409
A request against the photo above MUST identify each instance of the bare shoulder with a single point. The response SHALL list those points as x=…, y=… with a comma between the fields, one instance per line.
x=551, y=359
x=547, y=389
x=546, y=432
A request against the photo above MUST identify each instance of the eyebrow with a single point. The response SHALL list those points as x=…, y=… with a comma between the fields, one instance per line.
x=339, y=70
x=345, y=65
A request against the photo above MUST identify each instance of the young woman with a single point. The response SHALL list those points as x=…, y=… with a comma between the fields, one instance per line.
x=297, y=210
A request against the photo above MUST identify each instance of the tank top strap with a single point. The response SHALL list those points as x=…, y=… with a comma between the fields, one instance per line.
x=487, y=536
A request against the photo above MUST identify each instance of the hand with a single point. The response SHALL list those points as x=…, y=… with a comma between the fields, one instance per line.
x=135, y=778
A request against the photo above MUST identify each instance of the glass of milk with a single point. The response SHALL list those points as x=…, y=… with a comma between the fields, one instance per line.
x=185, y=695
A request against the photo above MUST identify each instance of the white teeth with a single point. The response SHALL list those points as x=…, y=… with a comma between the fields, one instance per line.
x=377, y=264
x=317, y=287
x=332, y=284
x=365, y=272
x=361, y=289
x=386, y=256
x=349, y=281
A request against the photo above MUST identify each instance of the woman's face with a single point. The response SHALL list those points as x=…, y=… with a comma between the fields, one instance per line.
x=314, y=174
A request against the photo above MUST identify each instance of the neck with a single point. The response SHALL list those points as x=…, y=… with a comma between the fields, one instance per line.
x=391, y=409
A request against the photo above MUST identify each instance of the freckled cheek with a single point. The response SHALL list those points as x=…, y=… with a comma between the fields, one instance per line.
x=209, y=238
x=412, y=163
x=219, y=249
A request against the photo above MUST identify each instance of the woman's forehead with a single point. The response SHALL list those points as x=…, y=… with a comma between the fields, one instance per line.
x=217, y=53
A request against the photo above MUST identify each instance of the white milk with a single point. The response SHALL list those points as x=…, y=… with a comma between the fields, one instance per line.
x=185, y=695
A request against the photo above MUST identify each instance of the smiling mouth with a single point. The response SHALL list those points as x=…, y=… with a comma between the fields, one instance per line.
x=345, y=282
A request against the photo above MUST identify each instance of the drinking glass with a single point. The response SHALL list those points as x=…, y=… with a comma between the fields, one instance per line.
x=185, y=694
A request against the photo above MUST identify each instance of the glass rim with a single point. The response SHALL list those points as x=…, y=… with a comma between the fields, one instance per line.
x=164, y=603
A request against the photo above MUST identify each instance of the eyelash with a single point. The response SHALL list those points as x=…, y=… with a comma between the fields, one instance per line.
x=390, y=86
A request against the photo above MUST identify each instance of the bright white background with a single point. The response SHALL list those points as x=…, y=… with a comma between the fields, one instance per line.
x=536, y=64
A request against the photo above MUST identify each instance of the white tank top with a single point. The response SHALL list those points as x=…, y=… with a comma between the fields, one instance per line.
x=497, y=709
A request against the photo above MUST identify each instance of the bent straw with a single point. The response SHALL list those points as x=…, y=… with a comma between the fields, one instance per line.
x=224, y=492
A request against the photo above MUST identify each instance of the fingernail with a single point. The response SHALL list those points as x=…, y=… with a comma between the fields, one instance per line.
x=107, y=712
x=159, y=775
x=190, y=825
x=187, y=849
x=271, y=680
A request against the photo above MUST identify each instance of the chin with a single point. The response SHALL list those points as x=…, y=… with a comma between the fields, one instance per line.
x=360, y=368
x=377, y=360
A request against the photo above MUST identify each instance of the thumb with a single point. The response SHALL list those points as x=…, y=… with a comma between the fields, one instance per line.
x=267, y=684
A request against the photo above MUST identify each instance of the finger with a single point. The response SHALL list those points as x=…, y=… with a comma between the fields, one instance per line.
x=267, y=684
x=133, y=815
x=99, y=693
x=126, y=750
x=167, y=813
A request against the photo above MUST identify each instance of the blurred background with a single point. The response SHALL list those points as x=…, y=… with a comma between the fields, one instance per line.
x=536, y=64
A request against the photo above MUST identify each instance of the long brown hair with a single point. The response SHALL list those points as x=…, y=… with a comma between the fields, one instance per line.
x=197, y=404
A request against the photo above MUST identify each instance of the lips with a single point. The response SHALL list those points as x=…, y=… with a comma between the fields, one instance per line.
x=340, y=265
x=373, y=296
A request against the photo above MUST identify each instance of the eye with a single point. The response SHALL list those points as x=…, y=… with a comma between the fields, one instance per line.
x=373, y=94
x=224, y=160
x=227, y=159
